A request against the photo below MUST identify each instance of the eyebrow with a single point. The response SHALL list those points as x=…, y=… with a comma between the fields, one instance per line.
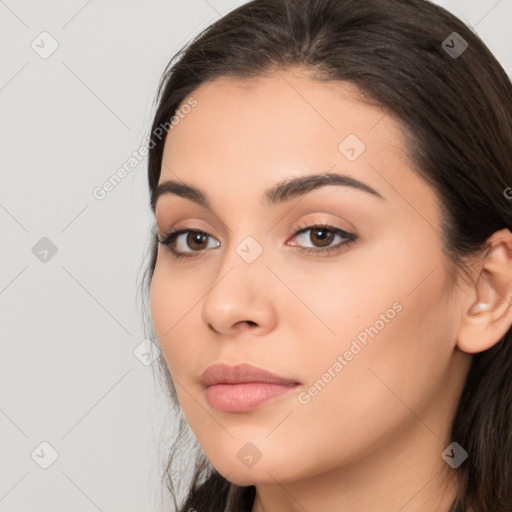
x=279, y=193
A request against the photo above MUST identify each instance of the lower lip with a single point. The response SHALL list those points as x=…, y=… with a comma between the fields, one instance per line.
x=244, y=397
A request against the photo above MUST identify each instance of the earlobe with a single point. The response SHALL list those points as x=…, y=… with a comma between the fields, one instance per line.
x=480, y=306
x=489, y=316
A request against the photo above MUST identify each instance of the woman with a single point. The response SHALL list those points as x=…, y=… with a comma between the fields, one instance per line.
x=331, y=272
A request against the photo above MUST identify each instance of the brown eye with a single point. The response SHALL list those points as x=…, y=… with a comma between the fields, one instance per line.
x=196, y=239
x=183, y=243
x=321, y=237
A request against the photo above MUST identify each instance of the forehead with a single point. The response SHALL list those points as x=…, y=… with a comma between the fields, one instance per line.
x=246, y=135
x=288, y=103
x=282, y=117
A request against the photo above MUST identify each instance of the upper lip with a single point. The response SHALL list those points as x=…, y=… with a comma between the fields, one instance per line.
x=221, y=373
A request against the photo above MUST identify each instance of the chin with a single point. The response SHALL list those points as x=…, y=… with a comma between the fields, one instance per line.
x=262, y=472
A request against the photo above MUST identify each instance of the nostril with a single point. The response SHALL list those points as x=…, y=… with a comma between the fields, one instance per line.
x=246, y=324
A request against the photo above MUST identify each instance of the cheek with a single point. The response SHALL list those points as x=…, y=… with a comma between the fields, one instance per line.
x=390, y=322
x=172, y=307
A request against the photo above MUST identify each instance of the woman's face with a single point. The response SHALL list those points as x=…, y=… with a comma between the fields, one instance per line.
x=366, y=325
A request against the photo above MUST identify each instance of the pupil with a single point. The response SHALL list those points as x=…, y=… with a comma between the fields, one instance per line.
x=324, y=237
x=198, y=238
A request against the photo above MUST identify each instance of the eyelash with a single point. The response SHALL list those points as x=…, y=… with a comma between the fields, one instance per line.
x=170, y=237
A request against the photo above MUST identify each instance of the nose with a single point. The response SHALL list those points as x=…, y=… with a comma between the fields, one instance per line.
x=242, y=299
x=244, y=325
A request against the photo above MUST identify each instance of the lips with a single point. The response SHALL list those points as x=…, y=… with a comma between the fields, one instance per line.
x=243, y=387
x=223, y=374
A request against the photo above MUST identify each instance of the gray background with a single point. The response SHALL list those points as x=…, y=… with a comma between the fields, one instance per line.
x=71, y=320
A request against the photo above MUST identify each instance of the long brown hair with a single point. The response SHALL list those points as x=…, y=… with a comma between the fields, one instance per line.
x=456, y=112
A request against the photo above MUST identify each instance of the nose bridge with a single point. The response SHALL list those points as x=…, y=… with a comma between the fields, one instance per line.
x=243, y=267
x=240, y=292
x=246, y=239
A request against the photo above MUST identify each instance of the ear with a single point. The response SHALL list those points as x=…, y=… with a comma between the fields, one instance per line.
x=487, y=313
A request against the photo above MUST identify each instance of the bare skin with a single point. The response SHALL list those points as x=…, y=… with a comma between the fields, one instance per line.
x=371, y=437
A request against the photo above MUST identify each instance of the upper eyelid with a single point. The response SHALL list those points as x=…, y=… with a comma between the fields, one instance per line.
x=222, y=227
x=303, y=227
x=348, y=228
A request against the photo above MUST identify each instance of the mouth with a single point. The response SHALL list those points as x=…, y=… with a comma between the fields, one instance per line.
x=243, y=388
